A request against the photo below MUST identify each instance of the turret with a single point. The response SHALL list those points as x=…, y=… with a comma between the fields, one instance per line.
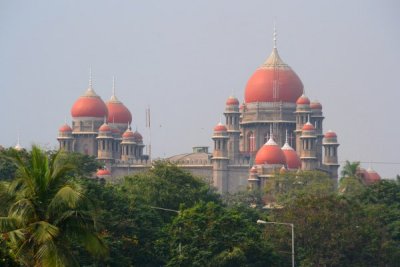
x=128, y=145
x=302, y=112
x=232, y=116
x=308, y=154
x=65, y=138
x=331, y=145
x=220, y=158
x=316, y=120
x=105, y=142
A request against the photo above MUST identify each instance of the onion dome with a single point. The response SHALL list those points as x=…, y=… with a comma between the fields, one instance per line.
x=372, y=176
x=105, y=128
x=232, y=101
x=303, y=100
x=315, y=105
x=137, y=137
x=89, y=105
x=103, y=173
x=260, y=86
x=128, y=134
x=292, y=159
x=65, y=129
x=330, y=134
x=270, y=153
x=220, y=128
x=308, y=127
x=117, y=111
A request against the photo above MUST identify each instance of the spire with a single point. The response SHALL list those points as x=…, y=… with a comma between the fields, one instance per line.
x=275, y=34
x=18, y=145
x=286, y=138
x=113, y=96
x=270, y=132
x=90, y=78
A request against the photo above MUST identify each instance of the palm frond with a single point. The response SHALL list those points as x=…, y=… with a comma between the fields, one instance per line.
x=68, y=196
x=43, y=231
x=8, y=224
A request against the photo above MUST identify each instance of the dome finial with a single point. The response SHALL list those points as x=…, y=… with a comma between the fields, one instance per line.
x=270, y=132
x=275, y=34
x=90, y=78
x=113, y=87
x=286, y=138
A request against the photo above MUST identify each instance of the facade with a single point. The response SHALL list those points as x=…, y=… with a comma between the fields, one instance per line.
x=102, y=129
x=276, y=129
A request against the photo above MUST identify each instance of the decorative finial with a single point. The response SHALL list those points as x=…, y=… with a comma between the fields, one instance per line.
x=113, y=88
x=286, y=139
x=90, y=77
x=275, y=34
x=270, y=132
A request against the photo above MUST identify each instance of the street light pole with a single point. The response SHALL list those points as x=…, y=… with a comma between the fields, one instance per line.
x=282, y=223
x=180, y=228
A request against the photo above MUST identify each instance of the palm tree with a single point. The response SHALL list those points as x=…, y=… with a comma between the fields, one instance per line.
x=46, y=212
x=350, y=169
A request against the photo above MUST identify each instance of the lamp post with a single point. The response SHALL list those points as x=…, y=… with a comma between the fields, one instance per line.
x=282, y=223
x=180, y=228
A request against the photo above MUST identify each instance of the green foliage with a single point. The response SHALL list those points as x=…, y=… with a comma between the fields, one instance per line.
x=84, y=165
x=211, y=235
x=285, y=188
x=7, y=166
x=45, y=212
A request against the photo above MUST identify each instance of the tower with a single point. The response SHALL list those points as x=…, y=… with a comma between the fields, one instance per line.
x=127, y=145
x=331, y=145
x=220, y=158
x=308, y=154
x=316, y=120
x=65, y=138
x=232, y=116
x=303, y=112
x=105, y=142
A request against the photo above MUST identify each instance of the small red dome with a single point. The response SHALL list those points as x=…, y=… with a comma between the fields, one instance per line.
x=220, y=128
x=65, y=128
x=128, y=134
x=308, y=127
x=232, y=101
x=270, y=153
x=117, y=112
x=315, y=105
x=330, y=134
x=372, y=176
x=105, y=128
x=303, y=100
x=137, y=136
x=103, y=172
x=89, y=105
x=260, y=86
x=292, y=159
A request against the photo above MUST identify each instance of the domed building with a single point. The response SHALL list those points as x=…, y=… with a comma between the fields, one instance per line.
x=101, y=129
x=276, y=129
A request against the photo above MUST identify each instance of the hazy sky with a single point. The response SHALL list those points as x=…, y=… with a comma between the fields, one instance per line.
x=184, y=58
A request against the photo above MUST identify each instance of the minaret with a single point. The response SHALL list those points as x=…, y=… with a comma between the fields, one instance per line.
x=316, y=120
x=220, y=158
x=105, y=142
x=232, y=116
x=308, y=154
x=302, y=112
x=128, y=145
x=331, y=153
x=65, y=138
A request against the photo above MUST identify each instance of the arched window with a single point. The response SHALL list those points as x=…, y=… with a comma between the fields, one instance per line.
x=251, y=142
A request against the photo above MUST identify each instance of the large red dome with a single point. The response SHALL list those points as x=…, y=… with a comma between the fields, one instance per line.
x=270, y=153
x=117, y=112
x=292, y=159
x=260, y=86
x=89, y=105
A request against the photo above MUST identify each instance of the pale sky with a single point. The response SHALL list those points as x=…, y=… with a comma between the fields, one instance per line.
x=184, y=58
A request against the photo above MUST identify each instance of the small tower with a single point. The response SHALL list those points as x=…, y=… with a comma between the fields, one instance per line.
x=105, y=142
x=128, y=145
x=65, y=138
x=253, y=181
x=220, y=158
x=316, y=120
x=232, y=116
x=308, y=154
x=302, y=112
x=330, y=153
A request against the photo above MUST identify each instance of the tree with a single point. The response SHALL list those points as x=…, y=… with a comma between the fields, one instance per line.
x=351, y=184
x=211, y=235
x=7, y=166
x=350, y=169
x=46, y=213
